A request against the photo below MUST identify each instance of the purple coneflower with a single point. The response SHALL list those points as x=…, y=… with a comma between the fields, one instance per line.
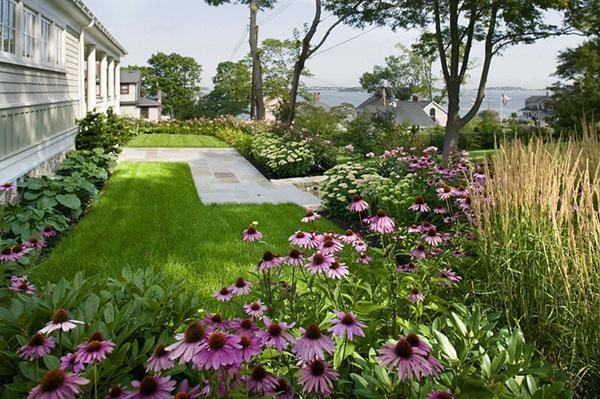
x=241, y=287
x=357, y=205
x=21, y=284
x=12, y=253
x=419, y=252
x=250, y=346
x=188, y=343
x=425, y=227
x=37, y=347
x=117, y=392
x=407, y=268
x=96, y=349
x=58, y=384
x=214, y=321
x=346, y=324
x=410, y=362
x=261, y=382
x=382, y=223
x=444, y=192
x=313, y=344
x=415, y=296
x=159, y=360
x=251, y=234
x=48, y=231
x=436, y=251
x=295, y=258
x=458, y=253
x=60, y=322
x=440, y=210
x=337, y=270
x=283, y=389
x=364, y=259
x=301, y=239
x=464, y=203
x=225, y=294
x=185, y=392
x=432, y=237
x=420, y=205
x=330, y=246
x=70, y=362
x=449, y=275
x=219, y=350
x=416, y=342
x=244, y=327
x=34, y=243
x=5, y=187
x=413, y=228
x=255, y=309
x=440, y=395
x=276, y=334
x=319, y=263
x=459, y=191
x=269, y=261
x=152, y=387
x=318, y=377
x=310, y=216
x=359, y=246
x=348, y=237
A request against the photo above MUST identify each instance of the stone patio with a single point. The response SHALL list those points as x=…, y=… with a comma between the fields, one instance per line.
x=222, y=176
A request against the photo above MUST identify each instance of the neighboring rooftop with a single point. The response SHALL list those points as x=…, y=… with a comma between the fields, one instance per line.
x=134, y=76
x=410, y=112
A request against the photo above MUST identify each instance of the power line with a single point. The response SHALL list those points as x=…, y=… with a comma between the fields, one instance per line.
x=346, y=41
x=276, y=12
x=239, y=44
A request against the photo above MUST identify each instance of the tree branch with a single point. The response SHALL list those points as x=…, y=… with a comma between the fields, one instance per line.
x=441, y=48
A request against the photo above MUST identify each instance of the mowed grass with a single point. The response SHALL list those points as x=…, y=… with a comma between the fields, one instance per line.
x=150, y=215
x=479, y=155
x=176, y=141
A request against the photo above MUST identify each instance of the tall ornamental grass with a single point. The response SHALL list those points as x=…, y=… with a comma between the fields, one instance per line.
x=539, y=224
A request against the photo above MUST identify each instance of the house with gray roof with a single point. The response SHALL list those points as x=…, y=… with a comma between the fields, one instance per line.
x=421, y=114
x=537, y=110
x=133, y=104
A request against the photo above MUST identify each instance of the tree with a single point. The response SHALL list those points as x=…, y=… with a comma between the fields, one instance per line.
x=178, y=79
x=458, y=25
x=402, y=76
x=257, y=103
x=231, y=94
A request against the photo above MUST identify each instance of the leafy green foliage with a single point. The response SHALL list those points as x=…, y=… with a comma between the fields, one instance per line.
x=282, y=158
x=107, y=131
x=231, y=92
x=343, y=181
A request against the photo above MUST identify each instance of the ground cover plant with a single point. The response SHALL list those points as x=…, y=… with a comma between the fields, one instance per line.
x=176, y=141
x=539, y=226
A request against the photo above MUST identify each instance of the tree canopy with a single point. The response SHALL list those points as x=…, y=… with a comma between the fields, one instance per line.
x=232, y=90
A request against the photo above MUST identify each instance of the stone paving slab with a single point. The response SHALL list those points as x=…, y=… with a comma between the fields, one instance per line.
x=222, y=175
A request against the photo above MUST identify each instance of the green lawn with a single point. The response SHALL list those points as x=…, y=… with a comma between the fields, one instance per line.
x=176, y=140
x=150, y=214
x=479, y=155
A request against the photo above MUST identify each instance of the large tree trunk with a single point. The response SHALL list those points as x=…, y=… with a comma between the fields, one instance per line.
x=257, y=109
x=454, y=124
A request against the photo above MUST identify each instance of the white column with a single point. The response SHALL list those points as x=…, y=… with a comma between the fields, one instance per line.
x=82, y=102
x=111, y=83
x=91, y=79
x=103, y=81
x=117, y=88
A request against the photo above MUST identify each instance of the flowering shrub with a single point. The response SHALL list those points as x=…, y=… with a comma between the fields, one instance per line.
x=342, y=183
x=283, y=159
x=107, y=130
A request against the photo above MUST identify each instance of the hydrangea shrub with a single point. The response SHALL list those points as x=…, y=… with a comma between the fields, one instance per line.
x=341, y=183
x=282, y=158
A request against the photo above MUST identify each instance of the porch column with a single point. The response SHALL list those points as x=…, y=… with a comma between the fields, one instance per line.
x=117, y=87
x=111, y=83
x=91, y=79
x=81, y=83
x=103, y=81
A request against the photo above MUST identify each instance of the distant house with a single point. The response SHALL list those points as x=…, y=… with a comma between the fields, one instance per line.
x=537, y=110
x=133, y=104
x=421, y=114
x=57, y=61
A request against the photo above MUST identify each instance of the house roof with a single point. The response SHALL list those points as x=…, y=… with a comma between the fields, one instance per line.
x=84, y=8
x=147, y=102
x=410, y=112
x=134, y=76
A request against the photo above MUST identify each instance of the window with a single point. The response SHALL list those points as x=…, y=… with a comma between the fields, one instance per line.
x=45, y=41
x=432, y=113
x=58, y=43
x=28, y=28
x=124, y=89
x=7, y=26
x=145, y=112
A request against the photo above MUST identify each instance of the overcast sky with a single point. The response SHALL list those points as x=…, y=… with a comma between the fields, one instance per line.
x=214, y=34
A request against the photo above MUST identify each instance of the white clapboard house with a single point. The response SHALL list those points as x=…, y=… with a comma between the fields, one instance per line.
x=57, y=61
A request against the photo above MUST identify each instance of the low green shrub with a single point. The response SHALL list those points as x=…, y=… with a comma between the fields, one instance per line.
x=104, y=130
x=342, y=182
x=282, y=159
x=95, y=165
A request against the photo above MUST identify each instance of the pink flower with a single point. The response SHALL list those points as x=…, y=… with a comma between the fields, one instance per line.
x=319, y=263
x=261, y=382
x=276, y=334
x=60, y=321
x=295, y=258
x=255, y=309
x=346, y=324
x=301, y=239
x=34, y=243
x=241, y=287
x=12, y=253
x=409, y=362
x=313, y=344
x=449, y=275
x=58, y=384
x=337, y=270
x=317, y=377
x=415, y=296
x=250, y=347
x=219, y=350
x=214, y=321
x=244, y=327
x=440, y=210
x=21, y=284
x=330, y=246
x=152, y=387
x=38, y=346
x=117, y=392
x=357, y=205
x=419, y=205
x=225, y=294
x=348, y=237
x=251, y=234
x=96, y=349
x=185, y=392
x=364, y=259
x=269, y=261
x=381, y=223
x=419, y=252
x=359, y=246
x=310, y=216
x=440, y=395
x=188, y=343
x=413, y=228
x=407, y=268
x=48, y=232
x=444, y=192
x=432, y=237
x=159, y=360
x=6, y=187
x=69, y=362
